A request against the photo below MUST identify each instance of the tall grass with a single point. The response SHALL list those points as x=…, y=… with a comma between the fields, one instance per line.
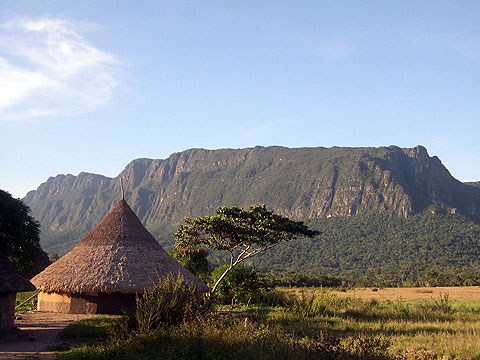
x=211, y=338
x=441, y=305
x=325, y=303
x=170, y=301
x=319, y=325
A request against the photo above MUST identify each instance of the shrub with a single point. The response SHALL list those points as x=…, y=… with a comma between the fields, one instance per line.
x=210, y=338
x=363, y=346
x=431, y=309
x=194, y=260
x=273, y=298
x=170, y=301
x=318, y=304
x=239, y=285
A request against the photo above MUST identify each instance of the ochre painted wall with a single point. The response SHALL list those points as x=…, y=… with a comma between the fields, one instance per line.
x=65, y=303
x=76, y=303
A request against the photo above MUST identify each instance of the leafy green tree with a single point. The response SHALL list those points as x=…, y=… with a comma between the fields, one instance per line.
x=242, y=233
x=194, y=260
x=239, y=284
x=20, y=236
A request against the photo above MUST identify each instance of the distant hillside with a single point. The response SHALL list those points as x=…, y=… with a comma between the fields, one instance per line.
x=312, y=184
x=474, y=183
x=378, y=246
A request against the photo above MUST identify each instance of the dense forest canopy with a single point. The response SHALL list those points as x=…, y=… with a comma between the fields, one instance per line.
x=393, y=250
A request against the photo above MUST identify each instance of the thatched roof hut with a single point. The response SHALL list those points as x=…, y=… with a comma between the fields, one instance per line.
x=104, y=272
x=11, y=282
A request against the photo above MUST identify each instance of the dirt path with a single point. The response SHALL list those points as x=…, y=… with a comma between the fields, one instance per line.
x=37, y=332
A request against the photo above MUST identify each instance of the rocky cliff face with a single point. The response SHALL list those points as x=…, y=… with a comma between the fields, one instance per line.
x=303, y=183
x=474, y=183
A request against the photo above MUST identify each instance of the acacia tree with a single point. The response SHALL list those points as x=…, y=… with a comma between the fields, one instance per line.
x=242, y=233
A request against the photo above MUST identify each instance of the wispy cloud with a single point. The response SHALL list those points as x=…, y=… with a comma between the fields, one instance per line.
x=48, y=69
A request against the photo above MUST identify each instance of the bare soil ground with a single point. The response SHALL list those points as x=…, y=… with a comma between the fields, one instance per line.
x=36, y=333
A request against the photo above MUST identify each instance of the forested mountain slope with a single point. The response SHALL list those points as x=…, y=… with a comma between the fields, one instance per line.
x=321, y=186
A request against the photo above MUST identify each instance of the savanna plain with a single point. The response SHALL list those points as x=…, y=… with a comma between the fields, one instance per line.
x=288, y=323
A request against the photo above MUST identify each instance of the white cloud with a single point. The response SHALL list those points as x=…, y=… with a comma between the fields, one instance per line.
x=48, y=69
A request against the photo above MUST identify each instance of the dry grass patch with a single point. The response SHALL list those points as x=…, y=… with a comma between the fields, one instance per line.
x=419, y=323
x=457, y=294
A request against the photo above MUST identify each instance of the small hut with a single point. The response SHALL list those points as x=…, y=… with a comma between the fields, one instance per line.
x=108, y=268
x=11, y=282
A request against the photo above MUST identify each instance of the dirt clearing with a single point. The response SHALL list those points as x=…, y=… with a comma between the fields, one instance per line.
x=36, y=333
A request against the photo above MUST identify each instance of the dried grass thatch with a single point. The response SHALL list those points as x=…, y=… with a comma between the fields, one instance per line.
x=11, y=280
x=118, y=256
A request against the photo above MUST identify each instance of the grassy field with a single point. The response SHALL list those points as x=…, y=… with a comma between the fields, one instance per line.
x=441, y=322
x=400, y=323
x=459, y=296
x=413, y=294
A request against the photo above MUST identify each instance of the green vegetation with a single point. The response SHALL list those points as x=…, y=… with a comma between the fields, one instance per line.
x=434, y=247
x=20, y=236
x=392, y=236
x=170, y=301
x=194, y=260
x=241, y=233
x=302, y=280
x=229, y=338
x=89, y=331
x=239, y=286
x=29, y=305
x=320, y=325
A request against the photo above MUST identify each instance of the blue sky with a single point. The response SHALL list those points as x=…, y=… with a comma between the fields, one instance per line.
x=91, y=85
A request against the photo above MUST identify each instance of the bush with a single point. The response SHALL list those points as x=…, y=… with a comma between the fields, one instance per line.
x=431, y=309
x=194, y=260
x=239, y=285
x=170, y=301
x=273, y=298
x=364, y=346
x=304, y=280
x=318, y=304
x=211, y=338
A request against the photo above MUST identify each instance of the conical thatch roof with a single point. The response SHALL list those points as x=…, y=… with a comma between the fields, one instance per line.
x=10, y=279
x=119, y=255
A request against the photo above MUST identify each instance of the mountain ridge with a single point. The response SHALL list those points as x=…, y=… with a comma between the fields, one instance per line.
x=473, y=183
x=302, y=183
